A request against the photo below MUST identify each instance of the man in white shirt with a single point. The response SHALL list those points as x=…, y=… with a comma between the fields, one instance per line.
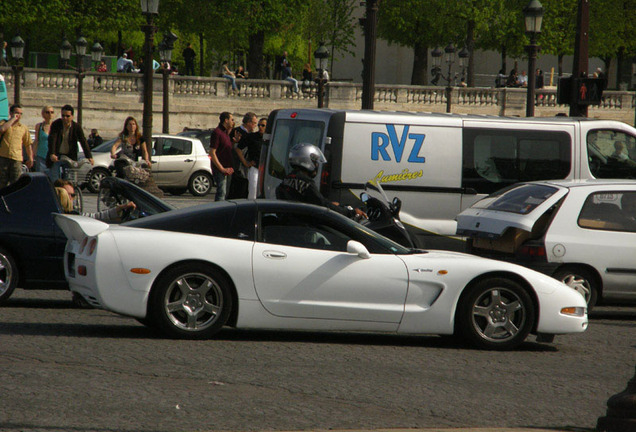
x=124, y=64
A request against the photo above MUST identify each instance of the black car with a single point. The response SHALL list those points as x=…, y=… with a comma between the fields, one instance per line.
x=31, y=243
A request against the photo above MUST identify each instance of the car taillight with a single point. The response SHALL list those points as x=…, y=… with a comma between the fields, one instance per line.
x=83, y=245
x=532, y=251
x=325, y=177
x=91, y=246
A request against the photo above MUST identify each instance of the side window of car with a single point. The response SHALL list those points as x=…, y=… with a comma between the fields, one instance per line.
x=610, y=211
x=301, y=230
x=495, y=158
x=176, y=147
x=611, y=154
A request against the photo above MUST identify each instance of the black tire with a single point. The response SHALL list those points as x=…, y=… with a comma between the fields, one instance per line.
x=191, y=301
x=78, y=201
x=79, y=302
x=200, y=183
x=582, y=280
x=95, y=177
x=176, y=191
x=8, y=275
x=496, y=313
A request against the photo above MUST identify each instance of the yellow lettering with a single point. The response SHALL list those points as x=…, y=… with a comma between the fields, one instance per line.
x=403, y=176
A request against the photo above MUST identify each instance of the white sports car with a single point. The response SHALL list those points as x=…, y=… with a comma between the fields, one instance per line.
x=281, y=265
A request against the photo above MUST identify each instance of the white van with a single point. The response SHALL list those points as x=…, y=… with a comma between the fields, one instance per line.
x=440, y=164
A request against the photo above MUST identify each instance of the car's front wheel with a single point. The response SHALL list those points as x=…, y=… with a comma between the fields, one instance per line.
x=496, y=313
x=191, y=301
x=582, y=280
x=8, y=275
x=200, y=183
x=95, y=179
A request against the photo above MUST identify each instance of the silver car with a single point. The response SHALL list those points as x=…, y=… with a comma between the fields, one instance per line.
x=179, y=163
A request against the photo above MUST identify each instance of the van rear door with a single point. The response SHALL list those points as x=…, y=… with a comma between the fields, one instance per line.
x=290, y=127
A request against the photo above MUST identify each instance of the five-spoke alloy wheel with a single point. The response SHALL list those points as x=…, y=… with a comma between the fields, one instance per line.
x=191, y=301
x=496, y=313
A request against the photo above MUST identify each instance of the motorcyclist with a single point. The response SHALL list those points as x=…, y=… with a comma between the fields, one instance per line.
x=299, y=185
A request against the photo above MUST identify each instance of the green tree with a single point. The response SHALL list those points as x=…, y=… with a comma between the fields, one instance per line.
x=419, y=25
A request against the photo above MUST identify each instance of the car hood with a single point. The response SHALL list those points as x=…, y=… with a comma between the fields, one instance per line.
x=480, y=221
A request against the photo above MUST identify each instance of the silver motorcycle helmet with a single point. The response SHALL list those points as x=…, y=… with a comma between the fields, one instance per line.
x=306, y=156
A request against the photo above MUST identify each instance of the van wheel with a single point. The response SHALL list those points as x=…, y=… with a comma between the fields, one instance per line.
x=496, y=313
x=581, y=280
x=8, y=275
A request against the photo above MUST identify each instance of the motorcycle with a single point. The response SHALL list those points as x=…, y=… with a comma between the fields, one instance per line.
x=383, y=215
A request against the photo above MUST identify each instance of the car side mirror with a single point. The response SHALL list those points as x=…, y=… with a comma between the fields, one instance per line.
x=357, y=248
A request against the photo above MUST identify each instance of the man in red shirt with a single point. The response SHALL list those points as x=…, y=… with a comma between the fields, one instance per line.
x=221, y=155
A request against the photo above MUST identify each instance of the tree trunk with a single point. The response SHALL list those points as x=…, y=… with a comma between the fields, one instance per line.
x=560, y=65
x=201, y=41
x=503, y=59
x=419, y=76
x=255, y=62
x=470, y=46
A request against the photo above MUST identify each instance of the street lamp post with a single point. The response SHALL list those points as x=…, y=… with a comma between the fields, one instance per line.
x=17, y=52
x=65, y=52
x=533, y=17
x=149, y=8
x=165, y=53
x=96, y=52
x=450, y=59
x=321, y=57
x=80, y=50
x=463, y=55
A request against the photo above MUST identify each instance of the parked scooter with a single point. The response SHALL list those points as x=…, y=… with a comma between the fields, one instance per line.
x=384, y=215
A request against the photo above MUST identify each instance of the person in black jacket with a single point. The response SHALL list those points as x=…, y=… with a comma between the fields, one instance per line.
x=299, y=184
x=64, y=135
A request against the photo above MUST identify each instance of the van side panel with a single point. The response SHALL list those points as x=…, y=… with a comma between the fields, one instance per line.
x=421, y=163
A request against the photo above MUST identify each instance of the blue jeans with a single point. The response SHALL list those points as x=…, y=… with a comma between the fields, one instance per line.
x=40, y=165
x=294, y=82
x=232, y=80
x=222, y=185
x=54, y=172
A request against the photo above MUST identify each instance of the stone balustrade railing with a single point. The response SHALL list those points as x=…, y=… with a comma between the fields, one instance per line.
x=196, y=101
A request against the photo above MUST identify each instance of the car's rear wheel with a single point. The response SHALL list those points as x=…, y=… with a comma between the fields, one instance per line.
x=496, y=313
x=95, y=178
x=191, y=301
x=581, y=280
x=8, y=275
x=200, y=184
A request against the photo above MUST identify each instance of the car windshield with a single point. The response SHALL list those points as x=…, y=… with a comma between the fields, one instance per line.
x=520, y=199
x=383, y=242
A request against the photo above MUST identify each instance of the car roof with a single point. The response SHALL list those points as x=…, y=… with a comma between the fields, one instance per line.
x=589, y=183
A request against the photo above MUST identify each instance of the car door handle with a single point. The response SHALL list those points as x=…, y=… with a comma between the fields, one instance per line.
x=274, y=254
x=189, y=160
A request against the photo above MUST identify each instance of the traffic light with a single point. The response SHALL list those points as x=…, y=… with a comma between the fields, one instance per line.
x=589, y=90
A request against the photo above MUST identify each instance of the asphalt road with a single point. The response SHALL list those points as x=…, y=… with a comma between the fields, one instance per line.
x=69, y=369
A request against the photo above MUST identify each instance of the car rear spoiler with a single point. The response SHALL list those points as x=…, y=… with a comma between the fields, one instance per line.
x=76, y=227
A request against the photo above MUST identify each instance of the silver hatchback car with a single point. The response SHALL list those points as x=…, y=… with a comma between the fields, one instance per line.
x=179, y=163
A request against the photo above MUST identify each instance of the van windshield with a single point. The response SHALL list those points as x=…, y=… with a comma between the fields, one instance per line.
x=287, y=134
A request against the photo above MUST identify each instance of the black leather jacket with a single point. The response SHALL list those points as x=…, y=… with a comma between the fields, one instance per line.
x=298, y=186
